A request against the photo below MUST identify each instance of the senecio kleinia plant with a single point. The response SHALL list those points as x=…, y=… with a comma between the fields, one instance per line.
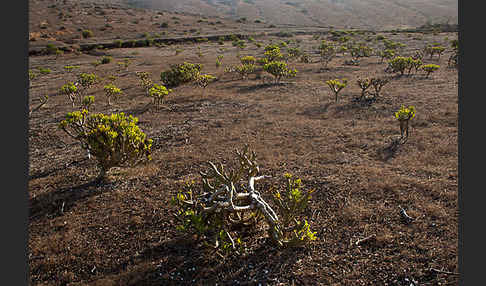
x=158, y=93
x=225, y=200
x=364, y=84
x=71, y=90
x=87, y=80
x=87, y=102
x=279, y=69
x=404, y=115
x=335, y=85
x=113, y=140
x=203, y=80
x=272, y=53
x=111, y=90
x=429, y=68
x=248, y=60
x=145, y=81
x=179, y=74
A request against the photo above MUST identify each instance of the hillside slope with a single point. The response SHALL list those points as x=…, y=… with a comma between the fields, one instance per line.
x=369, y=14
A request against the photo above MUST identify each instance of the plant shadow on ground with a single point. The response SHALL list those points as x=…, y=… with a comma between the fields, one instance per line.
x=389, y=151
x=316, y=110
x=56, y=202
x=183, y=261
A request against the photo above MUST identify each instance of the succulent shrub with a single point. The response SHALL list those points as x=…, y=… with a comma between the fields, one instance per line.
x=87, y=33
x=105, y=60
x=32, y=76
x=87, y=81
x=215, y=209
x=145, y=81
x=293, y=53
x=113, y=140
x=279, y=69
x=158, y=93
x=203, y=80
x=124, y=64
x=359, y=50
x=87, y=102
x=327, y=52
x=399, y=64
x=386, y=54
x=336, y=86
x=364, y=84
x=112, y=90
x=71, y=90
x=69, y=68
x=248, y=60
x=378, y=84
x=44, y=71
x=272, y=53
x=454, y=58
x=179, y=74
x=429, y=68
x=244, y=70
x=404, y=115
x=432, y=50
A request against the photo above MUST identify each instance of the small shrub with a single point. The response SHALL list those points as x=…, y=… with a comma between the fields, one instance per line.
x=158, y=93
x=336, y=86
x=145, y=81
x=87, y=34
x=279, y=69
x=248, y=60
x=114, y=140
x=105, y=60
x=203, y=80
x=87, y=102
x=429, y=68
x=378, y=84
x=272, y=53
x=111, y=90
x=404, y=115
x=213, y=210
x=44, y=71
x=71, y=90
x=87, y=80
x=180, y=74
x=364, y=84
x=399, y=64
x=327, y=52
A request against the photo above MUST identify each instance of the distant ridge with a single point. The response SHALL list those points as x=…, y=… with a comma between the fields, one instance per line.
x=364, y=14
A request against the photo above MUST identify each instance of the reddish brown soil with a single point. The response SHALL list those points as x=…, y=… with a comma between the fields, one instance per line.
x=121, y=232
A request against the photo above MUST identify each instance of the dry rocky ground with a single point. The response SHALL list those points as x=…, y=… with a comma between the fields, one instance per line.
x=122, y=232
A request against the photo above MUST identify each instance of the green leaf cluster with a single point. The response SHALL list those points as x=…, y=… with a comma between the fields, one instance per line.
x=405, y=113
x=114, y=140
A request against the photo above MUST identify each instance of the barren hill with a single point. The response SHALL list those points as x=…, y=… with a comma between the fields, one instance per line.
x=369, y=14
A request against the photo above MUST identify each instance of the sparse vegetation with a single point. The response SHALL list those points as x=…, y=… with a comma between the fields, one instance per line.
x=121, y=231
